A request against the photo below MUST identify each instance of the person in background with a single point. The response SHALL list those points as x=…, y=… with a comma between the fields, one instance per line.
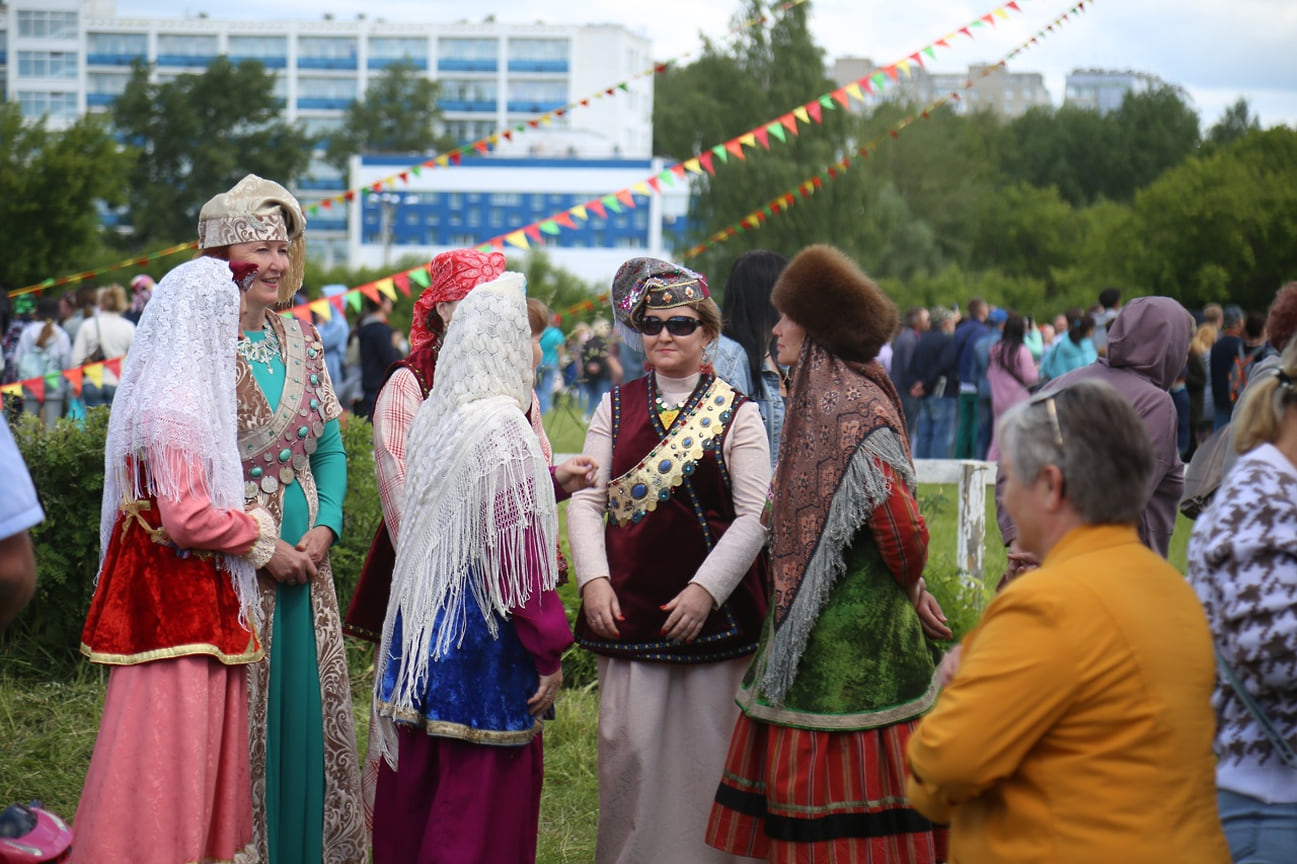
x=630, y=342
x=1047, y=336
x=305, y=771
x=141, y=292
x=107, y=335
x=1034, y=340
x=551, y=360
x=1280, y=325
x=977, y=369
x=749, y=317
x=1072, y=350
x=1197, y=378
x=1011, y=373
x=576, y=339
x=334, y=333
x=967, y=333
x=377, y=350
x=598, y=365
x=1109, y=305
x=1214, y=314
x=87, y=303
x=20, y=511
x=1242, y=566
x=1227, y=348
x=42, y=350
x=936, y=384
x=916, y=324
x=1076, y=726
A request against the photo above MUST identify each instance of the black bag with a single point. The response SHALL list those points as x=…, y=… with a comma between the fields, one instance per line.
x=1202, y=475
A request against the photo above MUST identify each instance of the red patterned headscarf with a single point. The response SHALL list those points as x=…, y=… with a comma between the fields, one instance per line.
x=454, y=274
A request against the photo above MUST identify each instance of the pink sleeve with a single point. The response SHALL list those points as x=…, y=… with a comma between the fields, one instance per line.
x=542, y=628
x=194, y=523
x=1027, y=366
x=394, y=411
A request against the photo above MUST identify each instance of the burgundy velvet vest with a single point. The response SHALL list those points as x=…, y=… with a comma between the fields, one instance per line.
x=364, y=618
x=653, y=558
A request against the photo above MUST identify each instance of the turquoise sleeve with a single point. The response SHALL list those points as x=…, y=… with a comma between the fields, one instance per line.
x=329, y=465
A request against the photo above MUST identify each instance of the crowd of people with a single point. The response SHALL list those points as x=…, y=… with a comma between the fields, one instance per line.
x=775, y=679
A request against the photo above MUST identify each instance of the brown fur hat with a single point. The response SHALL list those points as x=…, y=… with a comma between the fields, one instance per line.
x=836, y=303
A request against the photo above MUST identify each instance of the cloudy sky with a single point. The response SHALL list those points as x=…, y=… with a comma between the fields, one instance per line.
x=1217, y=51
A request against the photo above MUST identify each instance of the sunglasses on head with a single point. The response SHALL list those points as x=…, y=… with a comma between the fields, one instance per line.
x=678, y=325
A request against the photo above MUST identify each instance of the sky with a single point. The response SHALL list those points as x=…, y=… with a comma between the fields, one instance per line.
x=1217, y=51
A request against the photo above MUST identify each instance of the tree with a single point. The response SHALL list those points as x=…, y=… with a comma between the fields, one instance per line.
x=1237, y=121
x=1156, y=131
x=399, y=114
x=52, y=182
x=196, y=136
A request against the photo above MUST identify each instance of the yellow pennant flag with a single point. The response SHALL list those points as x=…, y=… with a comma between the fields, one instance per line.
x=579, y=212
x=517, y=238
x=322, y=309
x=693, y=166
x=95, y=372
x=904, y=66
x=854, y=89
x=1000, y=13
x=642, y=189
x=800, y=114
x=748, y=140
x=443, y=161
x=387, y=287
x=14, y=389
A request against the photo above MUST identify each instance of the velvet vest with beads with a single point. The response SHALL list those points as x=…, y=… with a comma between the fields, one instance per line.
x=657, y=542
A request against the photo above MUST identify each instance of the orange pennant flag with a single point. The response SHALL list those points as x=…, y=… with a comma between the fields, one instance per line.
x=74, y=376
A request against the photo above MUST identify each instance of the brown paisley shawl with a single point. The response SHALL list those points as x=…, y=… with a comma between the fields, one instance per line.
x=843, y=421
x=345, y=838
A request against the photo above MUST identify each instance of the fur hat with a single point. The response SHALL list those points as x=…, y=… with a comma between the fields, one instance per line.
x=840, y=307
x=257, y=209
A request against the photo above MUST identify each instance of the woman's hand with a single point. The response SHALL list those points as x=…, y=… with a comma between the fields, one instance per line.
x=543, y=699
x=689, y=610
x=289, y=565
x=576, y=473
x=316, y=542
x=931, y=617
x=1019, y=562
x=602, y=611
x=949, y=666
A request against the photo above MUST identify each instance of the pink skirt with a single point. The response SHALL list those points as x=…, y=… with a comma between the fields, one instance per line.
x=170, y=779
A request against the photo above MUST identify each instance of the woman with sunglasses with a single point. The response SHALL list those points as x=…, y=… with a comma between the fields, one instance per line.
x=672, y=584
x=815, y=770
x=1078, y=725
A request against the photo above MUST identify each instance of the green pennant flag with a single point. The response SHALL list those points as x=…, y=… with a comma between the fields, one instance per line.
x=720, y=151
x=417, y=170
x=611, y=202
x=52, y=380
x=667, y=177
x=826, y=101
x=777, y=130
x=879, y=80
x=930, y=51
x=419, y=276
x=549, y=226
x=622, y=86
x=353, y=300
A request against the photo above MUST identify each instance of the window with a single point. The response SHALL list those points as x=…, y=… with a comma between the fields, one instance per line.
x=321, y=126
x=111, y=83
x=497, y=219
x=537, y=49
x=455, y=200
x=42, y=24
x=468, y=49
x=326, y=88
x=326, y=48
x=117, y=44
x=506, y=199
x=468, y=90
x=536, y=96
x=474, y=218
x=397, y=49
x=36, y=103
x=47, y=64
x=187, y=46
x=260, y=47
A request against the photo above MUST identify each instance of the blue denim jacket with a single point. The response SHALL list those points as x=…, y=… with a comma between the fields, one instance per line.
x=731, y=363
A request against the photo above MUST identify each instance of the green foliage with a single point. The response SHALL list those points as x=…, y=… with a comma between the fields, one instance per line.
x=51, y=182
x=399, y=114
x=361, y=510
x=196, y=136
x=560, y=289
x=67, y=465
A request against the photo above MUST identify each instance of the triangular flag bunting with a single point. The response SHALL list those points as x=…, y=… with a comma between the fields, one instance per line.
x=579, y=212
x=790, y=123
x=720, y=151
x=388, y=287
x=95, y=372
x=371, y=291
x=353, y=300
x=854, y=89
x=626, y=198
x=705, y=160
x=641, y=188
x=776, y=130
x=597, y=207
x=420, y=276
x=610, y=201
x=655, y=185
x=321, y=308
x=37, y=385
x=565, y=220
x=735, y=147
x=904, y=66
x=800, y=114
x=549, y=226
x=15, y=389
x=840, y=96
x=1000, y=13
x=533, y=232
x=517, y=239
x=114, y=365
x=693, y=166
x=813, y=108
x=402, y=281
x=763, y=137
x=74, y=376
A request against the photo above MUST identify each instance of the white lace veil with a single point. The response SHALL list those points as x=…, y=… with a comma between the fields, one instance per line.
x=175, y=412
x=480, y=505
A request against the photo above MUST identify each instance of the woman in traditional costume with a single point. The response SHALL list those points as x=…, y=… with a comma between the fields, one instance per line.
x=306, y=775
x=474, y=634
x=175, y=610
x=672, y=585
x=816, y=767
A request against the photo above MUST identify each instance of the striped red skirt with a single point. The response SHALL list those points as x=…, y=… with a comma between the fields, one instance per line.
x=794, y=796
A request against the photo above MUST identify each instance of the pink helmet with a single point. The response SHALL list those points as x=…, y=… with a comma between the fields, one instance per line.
x=33, y=835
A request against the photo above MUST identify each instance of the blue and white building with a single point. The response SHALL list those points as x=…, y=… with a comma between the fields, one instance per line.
x=1104, y=90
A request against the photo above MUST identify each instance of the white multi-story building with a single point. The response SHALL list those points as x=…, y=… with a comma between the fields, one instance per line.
x=1104, y=90
x=63, y=58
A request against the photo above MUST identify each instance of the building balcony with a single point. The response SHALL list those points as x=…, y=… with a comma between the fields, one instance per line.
x=420, y=63
x=105, y=59
x=483, y=105
x=538, y=66
x=267, y=62
x=195, y=60
x=327, y=104
x=452, y=64
x=100, y=99
x=327, y=63
x=523, y=106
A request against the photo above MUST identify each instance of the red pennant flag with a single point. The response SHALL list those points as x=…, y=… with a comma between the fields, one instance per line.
x=867, y=84
x=989, y=19
x=840, y=96
x=925, y=115
x=1013, y=4
x=813, y=108
x=763, y=136
x=966, y=32
x=597, y=206
x=535, y=124
x=508, y=134
x=141, y=262
x=818, y=183
x=338, y=301
x=405, y=176
x=660, y=68
x=371, y=292
x=565, y=220
x=301, y=313
x=402, y=281
x=610, y=91
x=377, y=187
x=656, y=184
x=114, y=365
x=833, y=172
x=481, y=147
x=917, y=58
x=790, y=123
x=705, y=160
x=943, y=43
x=327, y=203
x=761, y=216
x=585, y=103
x=455, y=158
x=678, y=169
x=75, y=376
x=532, y=231
x=892, y=72
x=559, y=113
x=735, y=148
x=37, y=386
x=626, y=198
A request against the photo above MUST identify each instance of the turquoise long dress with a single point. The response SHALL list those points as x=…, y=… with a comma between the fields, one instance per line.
x=295, y=748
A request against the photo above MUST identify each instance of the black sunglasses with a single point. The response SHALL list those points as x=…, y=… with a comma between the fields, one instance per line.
x=678, y=325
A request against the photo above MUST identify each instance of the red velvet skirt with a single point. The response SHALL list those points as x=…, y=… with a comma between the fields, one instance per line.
x=156, y=601
x=795, y=796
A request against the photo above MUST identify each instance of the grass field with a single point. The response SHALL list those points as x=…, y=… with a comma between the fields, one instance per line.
x=47, y=728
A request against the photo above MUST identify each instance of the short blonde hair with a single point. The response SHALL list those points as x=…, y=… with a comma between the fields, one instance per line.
x=1265, y=402
x=112, y=298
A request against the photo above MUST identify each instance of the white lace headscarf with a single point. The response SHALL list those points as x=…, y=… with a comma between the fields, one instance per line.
x=481, y=508
x=175, y=412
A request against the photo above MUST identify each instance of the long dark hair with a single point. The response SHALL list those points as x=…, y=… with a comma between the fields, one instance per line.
x=1081, y=327
x=1015, y=331
x=748, y=314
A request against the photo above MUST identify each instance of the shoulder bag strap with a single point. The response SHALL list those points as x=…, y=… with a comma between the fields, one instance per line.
x=1281, y=746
